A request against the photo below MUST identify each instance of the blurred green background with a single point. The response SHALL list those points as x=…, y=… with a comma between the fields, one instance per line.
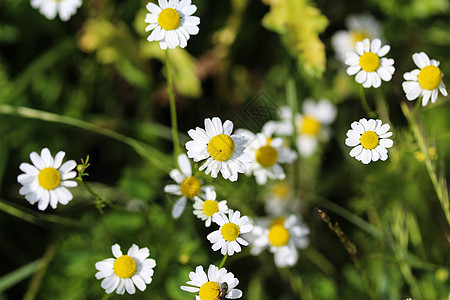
x=97, y=71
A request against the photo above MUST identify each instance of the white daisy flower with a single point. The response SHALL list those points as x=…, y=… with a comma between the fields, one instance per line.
x=172, y=22
x=204, y=210
x=187, y=186
x=125, y=271
x=281, y=199
x=50, y=8
x=311, y=127
x=46, y=180
x=224, y=152
x=267, y=154
x=227, y=238
x=282, y=236
x=208, y=286
x=369, y=139
x=359, y=27
x=425, y=82
x=368, y=63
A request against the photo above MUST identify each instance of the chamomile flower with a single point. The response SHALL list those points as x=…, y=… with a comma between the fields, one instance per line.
x=281, y=199
x=227, y=238
x=50, y=8
x=368, y=63
x=425, y=82
x=369, y=139
x=47, y=179
x=282, y=236
x=172, y=23
x=124, y=272
x=187, y=186
x=359, y=27
x=208, y=286
x=204, y=210
x=268, y=153
x=224, y=152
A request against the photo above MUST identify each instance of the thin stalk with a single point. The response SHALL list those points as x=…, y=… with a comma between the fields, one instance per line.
x=438, y=184
x=173, y=108
x=362, y=96
x=224, y=259
x=106, y=296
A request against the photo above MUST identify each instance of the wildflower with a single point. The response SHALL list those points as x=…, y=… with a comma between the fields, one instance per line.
x=46, y=180
x=359, y=27
x=187, y=185
x=204, y=210
x=209, y=285
x=224, y=152
x=50, y=8
x=268, y=153
x=368, y=63
x=282, y=236
x=172, y=23
x=125, y=271
x=227, y=238
x=369, y=139
x=280, y=199
x=425, y=82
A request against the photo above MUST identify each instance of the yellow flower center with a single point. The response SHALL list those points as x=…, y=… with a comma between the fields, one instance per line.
x=278, y=235
x=360, y=35
x=169, y=19
x=190, y=187
x=278, y=221
x=369, y=140
x=124, y=266
x=267, y=156
x=429, y=77
x=221, y=147
x=281, y=190
x=310, y=126
x=49, y=178
x=230, y=232
x=369, y=61
x=209, y=291
x=210, y=207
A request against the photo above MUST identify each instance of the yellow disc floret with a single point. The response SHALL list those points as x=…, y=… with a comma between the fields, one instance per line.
x=369, y=62
x=169, y=19
x=430, y=77
x=230, y=232
x=124, y=266
x=209, y=290
x=221, y=147
x=278, y=235
x=267, y=156
x=210, y=207
x=360, y=35
x=49, y=178
x=369, y=140
x=310, y=126
x=190, y=187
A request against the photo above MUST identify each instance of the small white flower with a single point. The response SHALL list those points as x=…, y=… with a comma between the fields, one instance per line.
x=369, y=139
x=425, y=82
x=227, y=238
x=282, y=236
x=204, y=210
x=224, y=152
x=359, y=27
x=311, y=126
x=368, y=63
x=267, y=154
x=281, y=199
x=50, y=8
x=172, y=22
x=187, y=185
x=208, y=286
x=46, y=181
x=125, y=271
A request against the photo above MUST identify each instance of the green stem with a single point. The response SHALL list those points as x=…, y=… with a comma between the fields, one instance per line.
x=224, y=259
x=362, y=96
x=106, y=296
x=173, y=108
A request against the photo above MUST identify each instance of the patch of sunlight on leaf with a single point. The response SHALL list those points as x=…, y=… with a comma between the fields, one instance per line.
x=299, y=24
